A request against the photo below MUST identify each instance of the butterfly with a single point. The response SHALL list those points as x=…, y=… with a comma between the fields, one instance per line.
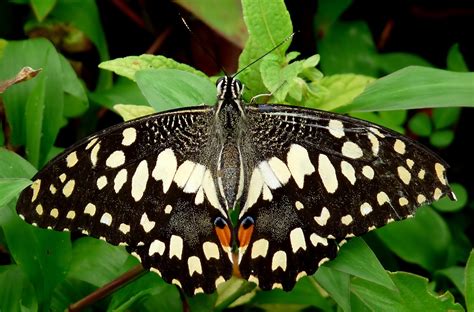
x=300, y=180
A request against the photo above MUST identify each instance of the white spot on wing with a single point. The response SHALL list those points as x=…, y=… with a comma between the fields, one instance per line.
x=194, y=265
x=347, y=219
x=297, y=239
x=255, y=188
x=351, y=150
x=270, y=178
x=365, y=209
x=299, y=205
x=35, y=187
x=71, y=160
x=101, y=182
x=106, y=219
x=259, y=248
x=211, y=250
x=168, y=209
x=140, y=180
x=316, y=239
x=120, y=179
x=299, y=164
x=280, y=169
x=399, y=146
x=421, y=174
x=124, y=228
x=336, y=128
x=404, y=175
x=420, y=198
x=129, y=136
x=146, y=223
x=327, y=172
x=279, y=260
x=91, y=143
x=195, y=179
x=69, y=188
x=165, y=168
x=156, y=246
x=439, y=168
x=183, y=173
x=368, y=172
x=39, y=210
x=71, y=214
x=54, y=213
x=437, y=194
x=382, y=198
x=116, y=159
x=94, y=154
x=375, y=143
x=403, y=201
x=176, y=247
x=348, y=171
x=90, y=209
x=210, y=191
x=323, y=217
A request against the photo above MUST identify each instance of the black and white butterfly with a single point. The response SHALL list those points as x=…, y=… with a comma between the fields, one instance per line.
x=302, y=180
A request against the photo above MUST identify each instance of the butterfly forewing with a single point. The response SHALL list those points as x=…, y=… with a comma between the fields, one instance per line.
x=323, y=178
x=140, y=184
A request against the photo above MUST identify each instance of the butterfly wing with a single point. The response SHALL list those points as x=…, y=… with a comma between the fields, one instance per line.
x=320, y=178
x=147, y=184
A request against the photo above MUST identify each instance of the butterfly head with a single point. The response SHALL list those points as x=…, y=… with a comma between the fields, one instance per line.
x=229, y=88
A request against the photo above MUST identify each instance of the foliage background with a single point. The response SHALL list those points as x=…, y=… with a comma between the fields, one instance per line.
x=419, y=263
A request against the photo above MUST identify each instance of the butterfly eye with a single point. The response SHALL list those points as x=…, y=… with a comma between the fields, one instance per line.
x=220, y=223
x=247, y=222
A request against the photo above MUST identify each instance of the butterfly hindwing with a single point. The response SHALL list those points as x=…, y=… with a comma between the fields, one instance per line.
x=147, y=184
x=325, y=179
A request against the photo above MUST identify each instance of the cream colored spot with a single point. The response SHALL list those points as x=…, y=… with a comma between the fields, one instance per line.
x=316, y=239
x=176, y=282
x=420, y=198
x=347, y=219
x=124, y=228
x=90, y=209
x=165, y=168
x=62, y=177
x=91, y=142
x=106, y=219
x=382, y=198
x=300, y=275
x=194, y=265
x=269, y=177
x=176, y=247
x=297, y=239
x=266, y=193
x=410, y=163
x=327, y=172
x=404, y=175
x=371, y=228
x=219, y=281
x=120, y=180
x=101, y=182
x=259, y=248
x=368, y=172
x=299, y=164
x=158, y=247
x=437, y=194
x=323, y=217
x=211, y=250
x=199, y=199
x=348, y=171
x=323, y=260
x=129, y=136
x=133, y=253
x=279, y=260
x=375, y=143
x=210, y=190
x=156, y=271
x=280, y=169
x=277, y=286
x=195, y=179
x=146, y=223
x=35, y=186
x=351, y=150
x=421, y=174
x=69, y=188
x=71, y=214
x=140, y=180
x=336, y=128
x=54, y=213
x=52, y=189
x=168, y=209
x=253, y=279
x=377, y=132
x=39, y=210
x=299, y=205
x=183, y=173
x=94, y=154
x=403, y=201
x=439, y=168
x=116, y=159
x=71, y=160
x=255, y=188
x=365, y=209
x=198, y=290
x=399, y=147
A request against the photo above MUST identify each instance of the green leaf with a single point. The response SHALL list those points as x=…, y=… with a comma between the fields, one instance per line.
x=328, y=12
x=412, y=294
x=124, y=91
x=130, y=65
x=445, y=117
x=447, y=205
x=268, y=24
x=339, y=90
x=442, y=138
x=129, y=112
x=390, y=62
x=357, y=259
x=469, y=279
x=13, y=166
x=420, y=124
x=348, y=47
x=10, y=188
x=336, y=283
x=456, y=275
x=17, y=293
x=170, y=88
x=223, y=16
x=455, y=60
x=416, y=87
x=202, y=302
x=41, y=8
x=394, y=118
x=75, y=94
x=423, y=239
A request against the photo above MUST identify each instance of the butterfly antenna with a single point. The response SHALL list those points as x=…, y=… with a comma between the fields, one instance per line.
x=203, y=47
x=261, y=57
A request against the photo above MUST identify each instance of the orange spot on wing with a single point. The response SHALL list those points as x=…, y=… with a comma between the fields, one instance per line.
x=224, y=235
x=244, y=235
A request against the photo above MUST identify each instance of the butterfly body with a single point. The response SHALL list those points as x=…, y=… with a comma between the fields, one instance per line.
x=302, y=180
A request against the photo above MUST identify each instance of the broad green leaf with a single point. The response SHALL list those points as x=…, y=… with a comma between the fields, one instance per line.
x=357, y=259
x=446, y=117
x=347, y=47
x=469, y=279
x=420, y=124
x=124, y=91
x=224, y=16
x=456, y=275
x=43, y=255
x=202, y=302
x=171, y=88
x=390, y=62
x=423, y=239
x=75, y=96
x=455, y=60
x=447, y=205
x=268, y=24
x=233, y=291
x=337, y=284
x=10, y=188
x=2, y=135
x=130, y=65
x=416, y=87
x=38, y=101
x=168, y=300
x=84, y=15
x=17, y=293
x=328, y=12
x=339, y=90
x=129, y=112
x=412, y=294
x=442, y=138
x=13, y=166
x=41, y=8
x=394, y=118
